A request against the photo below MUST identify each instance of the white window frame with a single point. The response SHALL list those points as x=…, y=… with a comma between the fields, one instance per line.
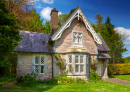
x=39, y=64
x=79, y=64
x=73, y=55
x=70, y=63
x=76, y=34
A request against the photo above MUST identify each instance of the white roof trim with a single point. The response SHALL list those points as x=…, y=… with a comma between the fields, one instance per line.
x=67, y=23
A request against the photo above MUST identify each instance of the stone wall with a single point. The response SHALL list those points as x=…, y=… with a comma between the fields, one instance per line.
x=63, y=43
x=25, y=65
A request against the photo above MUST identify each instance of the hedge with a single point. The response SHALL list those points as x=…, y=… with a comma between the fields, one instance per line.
x=119, y=69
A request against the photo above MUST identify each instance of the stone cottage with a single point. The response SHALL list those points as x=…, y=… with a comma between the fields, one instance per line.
x=76, y=40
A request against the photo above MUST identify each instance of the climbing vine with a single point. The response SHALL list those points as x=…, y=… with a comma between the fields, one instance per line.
x=62, y=64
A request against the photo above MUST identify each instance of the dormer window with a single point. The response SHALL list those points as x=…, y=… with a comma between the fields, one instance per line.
x=77, y=37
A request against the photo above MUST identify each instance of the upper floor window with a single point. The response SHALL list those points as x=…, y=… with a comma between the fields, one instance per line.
x=77, y=37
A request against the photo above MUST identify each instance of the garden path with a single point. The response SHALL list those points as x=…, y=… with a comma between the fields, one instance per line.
x=119, y=81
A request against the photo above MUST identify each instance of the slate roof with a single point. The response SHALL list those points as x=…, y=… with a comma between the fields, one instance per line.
x=103, y=55
x=33, y=42
x=103, y=47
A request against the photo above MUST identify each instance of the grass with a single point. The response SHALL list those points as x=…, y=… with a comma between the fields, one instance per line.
x=88, y=87
x=5, y=80
x=101, y=86
x=123, y=77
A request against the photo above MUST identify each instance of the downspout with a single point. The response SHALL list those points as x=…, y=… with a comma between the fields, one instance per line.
x=52, y=64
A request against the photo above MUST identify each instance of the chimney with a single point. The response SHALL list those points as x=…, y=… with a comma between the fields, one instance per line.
x=54, y=21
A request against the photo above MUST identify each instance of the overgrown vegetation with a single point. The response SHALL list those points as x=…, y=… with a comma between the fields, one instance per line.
x=61, y=63
x=63, y=80
x=5, y=80
x=27, y=80
x=93, y=74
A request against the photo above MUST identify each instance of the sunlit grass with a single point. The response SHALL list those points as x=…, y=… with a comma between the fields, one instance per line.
x=123, y=77
x=88, y=87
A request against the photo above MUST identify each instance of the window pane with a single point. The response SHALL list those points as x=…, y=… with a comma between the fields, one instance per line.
x=75, y=37
x=42, y=60
x=36, y=60
x=42, y=69
x=81, y=59
x=36, y=69
x=70, y=59
x=70, y=68
x=76, y=59
x=81, y=68
x=76, y=68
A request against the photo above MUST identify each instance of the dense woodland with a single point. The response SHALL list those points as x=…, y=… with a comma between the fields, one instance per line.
x=21, y=15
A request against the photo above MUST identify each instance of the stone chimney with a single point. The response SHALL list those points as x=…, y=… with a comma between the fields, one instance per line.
x=54, y=21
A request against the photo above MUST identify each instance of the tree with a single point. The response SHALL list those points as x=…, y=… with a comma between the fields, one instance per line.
x=99, y=24
x=47, y=27
x=9, y=34
x=62, y=18
x=32, y=22
x=114, y=41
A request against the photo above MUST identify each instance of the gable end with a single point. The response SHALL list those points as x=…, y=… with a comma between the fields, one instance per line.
x=77, y=13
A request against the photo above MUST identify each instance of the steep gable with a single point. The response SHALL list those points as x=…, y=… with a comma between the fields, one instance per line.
x=80, y=15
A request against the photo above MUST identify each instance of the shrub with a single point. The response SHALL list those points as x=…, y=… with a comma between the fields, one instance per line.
x=119, y=69
x=29, y=79
x=64, y=80
x=79, y=81
x=94, y=77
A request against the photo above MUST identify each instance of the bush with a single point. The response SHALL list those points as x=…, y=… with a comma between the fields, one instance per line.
x=94, y=77
x=29, y=79
x=64, y=80
x=119, y=69
x=80, y=81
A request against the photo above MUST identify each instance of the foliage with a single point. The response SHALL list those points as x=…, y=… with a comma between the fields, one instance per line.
x=62, y=18
x=119, y=69
x=113, y=39
x=9, y=35
x=93, y=75
x=93, y=67
x=46, y=27
x=80, y=81
x=6, y=79
x=61, y=64
x=126, y=60
x=29, y=79
x=63, y=80
x=28, y=19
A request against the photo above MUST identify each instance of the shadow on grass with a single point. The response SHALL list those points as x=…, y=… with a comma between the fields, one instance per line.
x=112, y=76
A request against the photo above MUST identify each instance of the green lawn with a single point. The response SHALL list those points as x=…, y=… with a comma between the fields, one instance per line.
x=123, y=77
x=88, y=87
